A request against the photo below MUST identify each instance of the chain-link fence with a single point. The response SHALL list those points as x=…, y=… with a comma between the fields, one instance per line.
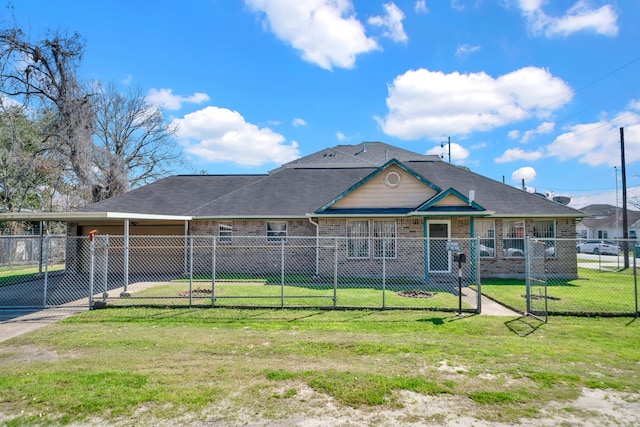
x=553, y=276
x=40, y=271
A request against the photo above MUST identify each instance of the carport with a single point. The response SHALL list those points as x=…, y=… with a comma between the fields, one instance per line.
x=111, y=223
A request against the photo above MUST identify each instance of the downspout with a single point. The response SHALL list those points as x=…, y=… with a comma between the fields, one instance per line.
x=317, y=246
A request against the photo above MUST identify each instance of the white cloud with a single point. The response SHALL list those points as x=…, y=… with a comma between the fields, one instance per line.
x=326, y=32
x=598, y=143
x=513, y=154
x=527, y=173
x=424, y=103
x=514, y=134
x=421, y=6
x=579, y=17
x=458, y=152
x=6, y=102
x=340, y=136
x=545, y=127
x=581, y=200
x=457, y=5
x=298, y=122
x=216, y=134
x=391, y=23
x=166, y=98
x=465, y=50
x=634, y=105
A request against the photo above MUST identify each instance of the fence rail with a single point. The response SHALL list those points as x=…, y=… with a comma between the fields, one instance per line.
x=551, y=277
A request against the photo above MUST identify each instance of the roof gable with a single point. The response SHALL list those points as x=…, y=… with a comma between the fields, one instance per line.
x=391, y=186
x=450, y=200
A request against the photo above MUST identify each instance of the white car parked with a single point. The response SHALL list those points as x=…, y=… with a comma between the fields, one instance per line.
x=596, y=247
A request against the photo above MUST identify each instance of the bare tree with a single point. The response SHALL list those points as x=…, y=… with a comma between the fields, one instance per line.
x=26, y=169
x=133, y=142
x=42, y=75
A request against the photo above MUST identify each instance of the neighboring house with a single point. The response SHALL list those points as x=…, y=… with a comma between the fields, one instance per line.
x=605, y=222
x=367, y=194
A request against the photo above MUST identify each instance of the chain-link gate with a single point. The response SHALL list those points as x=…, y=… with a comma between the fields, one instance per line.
x=536, y=280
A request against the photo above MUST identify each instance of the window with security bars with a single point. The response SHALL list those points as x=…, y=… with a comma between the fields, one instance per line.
x=545, y=231
x=276, y=231
x=384, y=239
x=486, y=231
x=357, y=239
x=513, y=238
x=225, y=231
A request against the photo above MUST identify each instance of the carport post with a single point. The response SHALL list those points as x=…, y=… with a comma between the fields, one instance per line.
x=92, y=250
x=126, y=255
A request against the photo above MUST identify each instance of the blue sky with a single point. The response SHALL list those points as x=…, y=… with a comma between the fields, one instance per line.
x=525, y=89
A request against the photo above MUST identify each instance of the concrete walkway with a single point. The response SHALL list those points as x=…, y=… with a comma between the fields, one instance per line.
x=488, y=306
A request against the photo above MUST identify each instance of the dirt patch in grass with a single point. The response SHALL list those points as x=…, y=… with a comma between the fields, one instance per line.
x=417, y=294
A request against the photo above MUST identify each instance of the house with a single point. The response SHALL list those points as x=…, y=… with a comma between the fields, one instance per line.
x=372, y=195
x=605, y=222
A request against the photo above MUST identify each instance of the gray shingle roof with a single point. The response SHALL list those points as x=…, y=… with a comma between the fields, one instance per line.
x=302, y=188
x=175, y=195
x=490, y=194
x=364, y=154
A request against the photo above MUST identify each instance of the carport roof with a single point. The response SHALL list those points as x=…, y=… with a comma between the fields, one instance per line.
x=87, y=216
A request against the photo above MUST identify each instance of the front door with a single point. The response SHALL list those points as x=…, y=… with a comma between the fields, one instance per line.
x=439, y=256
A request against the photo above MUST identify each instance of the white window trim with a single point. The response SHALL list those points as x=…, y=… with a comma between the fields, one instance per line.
x=395, y=239
x=547, y=239
x=276, y=238
x=484, y=238
x=225, y=231
x=504, y=237
x=366, y=239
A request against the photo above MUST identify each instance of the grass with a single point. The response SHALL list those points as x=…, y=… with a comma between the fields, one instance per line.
x=259, y=294
x=15, y=274
x=594, y=292
x=149, y=366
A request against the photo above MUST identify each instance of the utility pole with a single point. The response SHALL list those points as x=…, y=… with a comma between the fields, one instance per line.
x=625, y=222
x=449, y=144
x=617, y=236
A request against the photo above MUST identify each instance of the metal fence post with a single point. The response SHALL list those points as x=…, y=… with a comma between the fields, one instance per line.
x=527, y=273
x=635, y=282
x=282, y=272
x=125, y=291
x=335, y=272
x=384, y=274
x=213, y=272
x=477, y=274
x=105, y=294
x=190, y=270
x=46, y=269
x=92, y=248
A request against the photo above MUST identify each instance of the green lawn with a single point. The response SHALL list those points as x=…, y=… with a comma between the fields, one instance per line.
x=258, y=293
x=594, y=292
x=163, y=366
x=14, y=274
